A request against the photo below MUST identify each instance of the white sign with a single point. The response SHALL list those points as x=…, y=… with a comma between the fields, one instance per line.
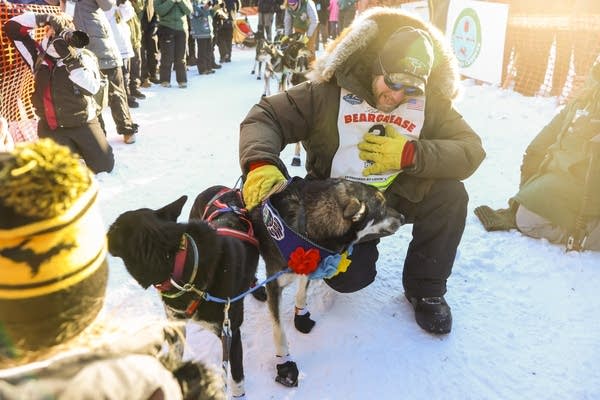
x=477, y=30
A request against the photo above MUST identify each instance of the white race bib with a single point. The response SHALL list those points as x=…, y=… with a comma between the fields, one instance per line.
x=355, y=118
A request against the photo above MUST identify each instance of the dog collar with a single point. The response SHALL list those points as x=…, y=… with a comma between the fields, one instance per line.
x=302, y=255
x=178, y=267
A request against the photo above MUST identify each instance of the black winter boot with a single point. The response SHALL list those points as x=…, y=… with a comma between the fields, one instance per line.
x=432, y=313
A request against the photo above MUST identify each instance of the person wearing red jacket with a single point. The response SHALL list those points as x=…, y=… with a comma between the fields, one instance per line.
x=66, y=79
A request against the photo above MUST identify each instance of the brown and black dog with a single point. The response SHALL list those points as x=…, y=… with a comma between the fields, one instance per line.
x=324, y=215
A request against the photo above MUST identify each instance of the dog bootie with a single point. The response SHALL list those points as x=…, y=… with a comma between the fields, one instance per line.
x=302, y=321
x=296, y=162
x=287, y=374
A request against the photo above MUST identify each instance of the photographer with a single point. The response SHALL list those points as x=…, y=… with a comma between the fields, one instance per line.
x=66, y=78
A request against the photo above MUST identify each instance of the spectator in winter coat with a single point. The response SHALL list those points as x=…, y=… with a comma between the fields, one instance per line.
x=280, y=16
x=66, y=78
x=201, y=32
x=89, y=17
x=395, y=75
x=322, y=30
x=333, y=19
x=135, y=70
x=266, y=13
x=346, y=14
x=301, y=17
x=223, y=28
x=55, y=340
x=149, y=49
x=559, y=192
x=118, y=17
x=172, y=39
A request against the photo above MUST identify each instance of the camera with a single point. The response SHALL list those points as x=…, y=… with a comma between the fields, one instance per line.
x=78, y=39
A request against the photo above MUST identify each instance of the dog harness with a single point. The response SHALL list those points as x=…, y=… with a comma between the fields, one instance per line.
x=222, y=208
x=303, y=256
x=186, y=241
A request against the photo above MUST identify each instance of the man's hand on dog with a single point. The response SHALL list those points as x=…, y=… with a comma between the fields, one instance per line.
x=391, y=152
x=260, y=183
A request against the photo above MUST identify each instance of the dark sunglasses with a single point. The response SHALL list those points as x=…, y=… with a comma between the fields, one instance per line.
x=410, y=90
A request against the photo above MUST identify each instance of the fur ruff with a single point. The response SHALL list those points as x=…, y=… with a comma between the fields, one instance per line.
x=365, y=31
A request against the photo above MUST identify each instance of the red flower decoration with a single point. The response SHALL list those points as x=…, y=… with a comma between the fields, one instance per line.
x=304, y=261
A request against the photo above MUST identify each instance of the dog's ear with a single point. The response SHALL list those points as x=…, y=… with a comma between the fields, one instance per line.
x=171, y=212
x=355, y=210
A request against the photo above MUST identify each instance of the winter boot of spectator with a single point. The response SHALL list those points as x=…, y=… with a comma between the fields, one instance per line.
x=129, y=136
x=432, y=313
x=132, y=103
x=137, y=94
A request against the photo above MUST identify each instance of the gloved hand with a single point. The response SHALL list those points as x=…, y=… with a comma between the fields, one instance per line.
x=259, y=183
x=391, y=152
x=63, y=50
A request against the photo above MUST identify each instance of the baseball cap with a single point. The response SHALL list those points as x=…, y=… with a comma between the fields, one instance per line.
x=406, y=59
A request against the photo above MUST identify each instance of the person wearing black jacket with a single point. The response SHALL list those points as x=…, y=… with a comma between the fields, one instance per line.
x=149, y=49
x=323, y=29
x=266, y=13
x=66, y=78
x=223, y=28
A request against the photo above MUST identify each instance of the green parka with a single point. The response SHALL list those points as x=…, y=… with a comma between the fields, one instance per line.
x=555, y=164
x=447, y=148
x=173, y=14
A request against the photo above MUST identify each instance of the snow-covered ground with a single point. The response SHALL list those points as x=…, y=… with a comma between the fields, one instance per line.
x=526, y=314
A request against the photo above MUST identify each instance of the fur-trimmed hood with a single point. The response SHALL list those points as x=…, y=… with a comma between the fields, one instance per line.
x=349, y=58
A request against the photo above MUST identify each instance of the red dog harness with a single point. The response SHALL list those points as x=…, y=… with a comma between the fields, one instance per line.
x=186, y=240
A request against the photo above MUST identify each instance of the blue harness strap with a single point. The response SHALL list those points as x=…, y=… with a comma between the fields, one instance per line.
x=286, y=239
x=289, y=242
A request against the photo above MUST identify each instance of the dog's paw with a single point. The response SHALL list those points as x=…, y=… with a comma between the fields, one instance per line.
x=287, y=374
x=303, y=323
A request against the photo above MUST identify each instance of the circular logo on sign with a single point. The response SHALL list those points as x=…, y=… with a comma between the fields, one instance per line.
x=466, y=37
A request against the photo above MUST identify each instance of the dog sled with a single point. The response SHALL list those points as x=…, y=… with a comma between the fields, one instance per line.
x=242, y=33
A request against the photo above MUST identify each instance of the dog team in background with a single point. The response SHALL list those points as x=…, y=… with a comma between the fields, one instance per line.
x=385, y=146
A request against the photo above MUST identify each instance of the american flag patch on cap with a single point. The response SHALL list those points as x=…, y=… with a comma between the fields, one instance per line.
x=415, y=104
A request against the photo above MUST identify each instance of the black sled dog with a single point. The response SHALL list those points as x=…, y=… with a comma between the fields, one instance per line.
x=308, y=226
x=197, y=265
